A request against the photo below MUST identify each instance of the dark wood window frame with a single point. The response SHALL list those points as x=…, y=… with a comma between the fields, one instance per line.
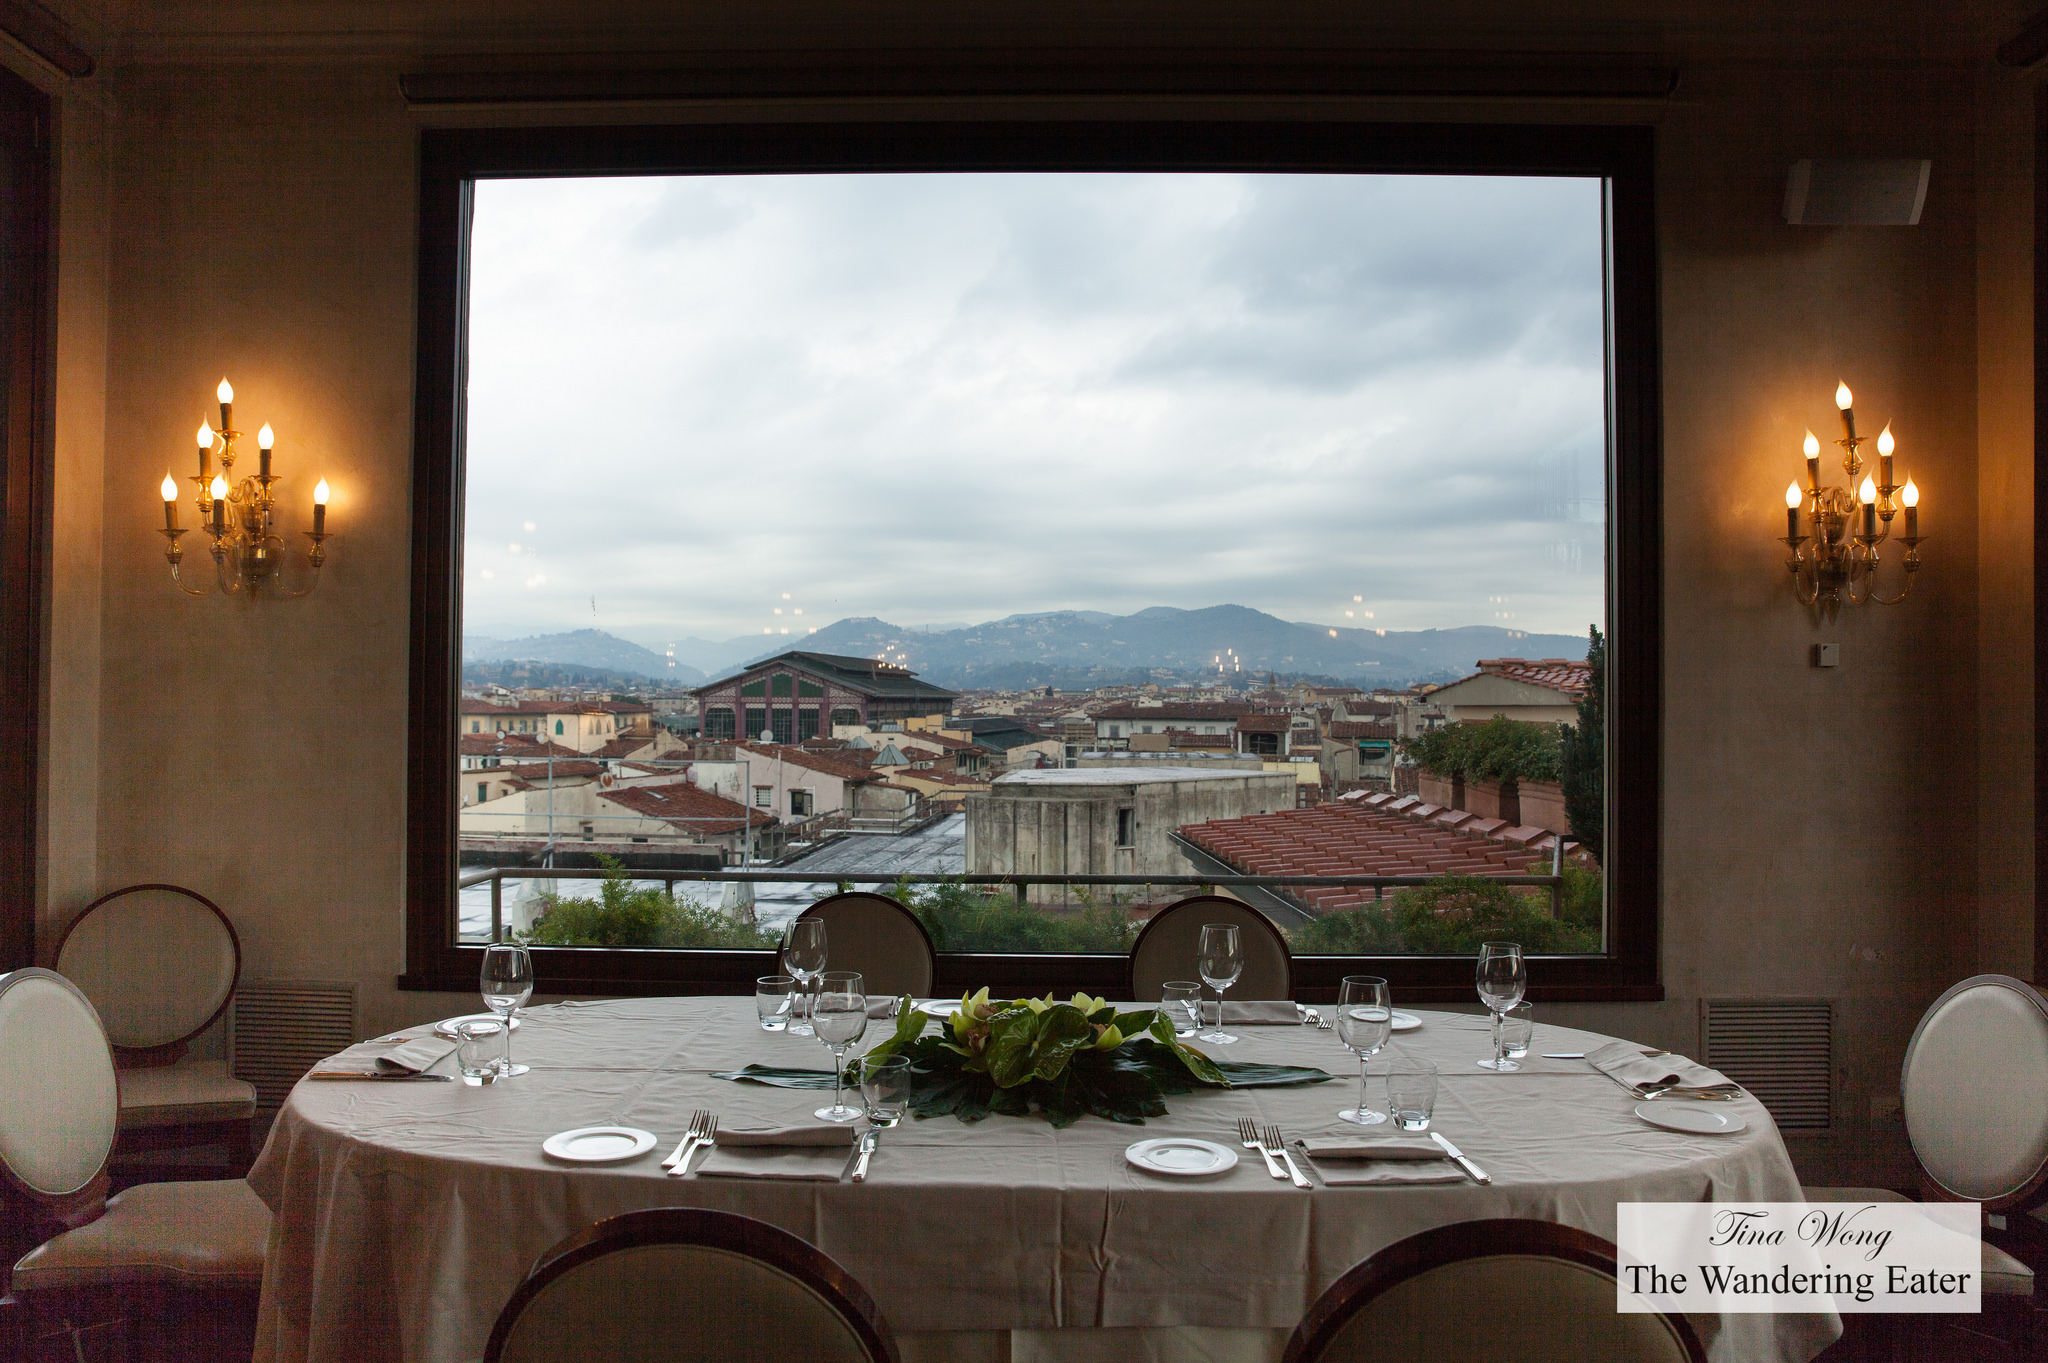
x=452, y=160
x=27, y=440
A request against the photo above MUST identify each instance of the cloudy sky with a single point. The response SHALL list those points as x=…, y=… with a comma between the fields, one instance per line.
x=696, y=402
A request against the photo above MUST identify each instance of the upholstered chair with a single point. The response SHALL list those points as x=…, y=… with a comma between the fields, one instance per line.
x=179, y=1264
x=1972, y=1087
x=878, y=937
x=1165, y=949
x=160, y=965
x=1531, y=1291
x=682, y=1285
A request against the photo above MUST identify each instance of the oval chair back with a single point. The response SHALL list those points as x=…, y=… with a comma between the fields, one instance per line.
x=1531, y=1291
x=160, y=964
x=1165, y=949
x=682, y=1285
x=1971, y=1086
x=54, y=1147
x=877, y=936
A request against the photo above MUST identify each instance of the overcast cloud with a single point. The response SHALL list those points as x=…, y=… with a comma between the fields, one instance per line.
x=950, y=398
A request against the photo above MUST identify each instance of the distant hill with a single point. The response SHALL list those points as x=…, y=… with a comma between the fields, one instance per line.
x=1060, y=647
x=590, y=648
x=549, y=676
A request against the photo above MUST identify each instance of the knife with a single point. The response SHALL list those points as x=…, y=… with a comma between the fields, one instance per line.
x=1478, y=1174
x=384, y=1078
x=868, y=1140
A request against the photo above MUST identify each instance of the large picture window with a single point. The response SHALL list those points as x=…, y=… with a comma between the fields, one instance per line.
x=1270, y=482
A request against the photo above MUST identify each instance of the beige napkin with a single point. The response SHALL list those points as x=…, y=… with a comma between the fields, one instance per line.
x=1626, y=1064
x=812, y=1151
x=1260, y=1012
x=415, y=1056
x=1345, y=1160
x=880, y=1007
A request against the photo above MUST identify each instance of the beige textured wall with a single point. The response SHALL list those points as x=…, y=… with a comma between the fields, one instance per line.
x=1821, y=832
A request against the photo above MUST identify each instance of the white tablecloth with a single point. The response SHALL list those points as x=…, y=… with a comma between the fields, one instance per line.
x=408, y=1212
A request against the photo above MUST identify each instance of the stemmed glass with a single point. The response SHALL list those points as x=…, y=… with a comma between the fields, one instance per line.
x=840, y=1014
x=1219, y=960
x=1365, y=1019
x=1502, y=979
x=506, y=983
x=803, y=956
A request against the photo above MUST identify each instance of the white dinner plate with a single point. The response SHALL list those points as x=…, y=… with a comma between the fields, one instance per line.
x=1406, y=1022
x=1699, y=1119
x=446, y=1026
x=939, y=1008
x=598, y=1144
x=1183, y=1156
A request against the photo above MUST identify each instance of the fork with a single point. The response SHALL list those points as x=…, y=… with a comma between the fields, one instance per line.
x=1273, y=1138
x=1322, y=1024
x=1249, y=1134
x=700, y=1128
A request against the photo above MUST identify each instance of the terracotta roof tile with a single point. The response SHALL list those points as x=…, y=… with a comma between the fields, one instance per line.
x=687, y=807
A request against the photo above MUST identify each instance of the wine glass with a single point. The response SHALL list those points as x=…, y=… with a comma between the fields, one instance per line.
x=1502, y=979
x=506, y=982
x=1219, y=960
x=840, y=1014
x=803, y=958
x=1365, y=1019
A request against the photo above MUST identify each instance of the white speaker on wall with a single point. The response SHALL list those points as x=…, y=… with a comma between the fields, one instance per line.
x=1856, y=192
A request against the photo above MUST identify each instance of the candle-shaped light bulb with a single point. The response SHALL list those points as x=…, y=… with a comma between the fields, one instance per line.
x=265, y=438
x=1792, y=497
x=1792, y=500
x=1812, y=448
x=1911, y=498
x=169, y=489
x=205, y=449
x=226, y=394
x=226, y=391
x=1842, y=400
x=1885, y=446
x=1867, y=494
x=219, y=489
x=205, y=436
x=320, y=507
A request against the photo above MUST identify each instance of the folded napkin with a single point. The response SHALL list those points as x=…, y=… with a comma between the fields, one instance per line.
x=415, y=1056
x=794, y=1134
x=1626, y=1065
x=883, y=1007
x=814, y=1165
x=1261, y=1012
x=1345, y=1160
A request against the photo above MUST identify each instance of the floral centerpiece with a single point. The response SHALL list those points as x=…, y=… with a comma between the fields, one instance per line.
x=1063, y=1059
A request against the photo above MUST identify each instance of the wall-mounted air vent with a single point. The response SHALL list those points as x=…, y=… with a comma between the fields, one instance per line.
x=1781, y=1050
x=279, y=1029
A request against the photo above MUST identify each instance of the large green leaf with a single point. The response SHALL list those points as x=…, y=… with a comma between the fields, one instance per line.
x=910, y=1025
x=1011, y=1035
x=1061, y=1032
x=778, y=1076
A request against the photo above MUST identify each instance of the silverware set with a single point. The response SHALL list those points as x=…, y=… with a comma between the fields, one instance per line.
x=1268, y=1142
x=862, y=1150
x=702, y=1131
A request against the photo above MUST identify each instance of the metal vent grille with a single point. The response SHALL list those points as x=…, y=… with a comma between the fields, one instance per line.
x=1781, y=1050
x=279, y=1029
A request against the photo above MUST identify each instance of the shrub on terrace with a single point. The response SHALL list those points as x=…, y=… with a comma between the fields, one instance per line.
x=1452, y=915
x=984, y=919
x=1501, y=749
x=629, y=914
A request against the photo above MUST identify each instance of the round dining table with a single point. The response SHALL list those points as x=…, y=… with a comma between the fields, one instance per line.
x=406, y=1213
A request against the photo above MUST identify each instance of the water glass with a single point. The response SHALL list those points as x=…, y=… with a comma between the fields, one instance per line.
x=1502, y=979
x=506, y=983
x=1411, y=1091
x=885, y=1088
x=772, y=995
x=840, y=1017
x=803, y=956
x=480, y=1046
x=1181, y=1001
x=1516, y=1027
x=1219, y=960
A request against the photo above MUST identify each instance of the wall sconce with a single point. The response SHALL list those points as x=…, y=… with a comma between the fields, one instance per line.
x=1848, y=523
x=241, y=518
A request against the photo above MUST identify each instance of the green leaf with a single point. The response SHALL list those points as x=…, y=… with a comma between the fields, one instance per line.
x=1011, y=1035
x=1243, y=1074
x=778, y=1076
x=1062, y=1030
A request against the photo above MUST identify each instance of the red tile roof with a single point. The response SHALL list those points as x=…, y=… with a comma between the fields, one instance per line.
x=519, y=747
x=538, y=771
x=836, y=765
x=1265, y=724
x=1351, y=838
x=687, y=807
x=1198, y=709
x=1559, y=674
x=1351, y=728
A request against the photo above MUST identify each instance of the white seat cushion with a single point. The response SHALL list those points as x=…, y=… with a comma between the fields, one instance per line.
x=189, y=1091
x=2004, y=1276
x=180, y=1234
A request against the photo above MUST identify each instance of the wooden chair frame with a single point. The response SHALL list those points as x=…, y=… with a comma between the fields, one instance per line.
x=1189, y=905
x=729, y=1231
x=2035, y=1189
x=1365, y=1282
x=169, y=1052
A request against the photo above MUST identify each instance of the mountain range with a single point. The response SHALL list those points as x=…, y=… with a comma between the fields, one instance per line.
x=1068, y=648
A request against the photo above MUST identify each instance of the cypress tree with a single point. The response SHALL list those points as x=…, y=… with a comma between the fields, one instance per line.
x=1584, y=774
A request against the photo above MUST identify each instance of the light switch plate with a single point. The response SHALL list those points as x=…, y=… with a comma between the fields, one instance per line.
x=1827, y=655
